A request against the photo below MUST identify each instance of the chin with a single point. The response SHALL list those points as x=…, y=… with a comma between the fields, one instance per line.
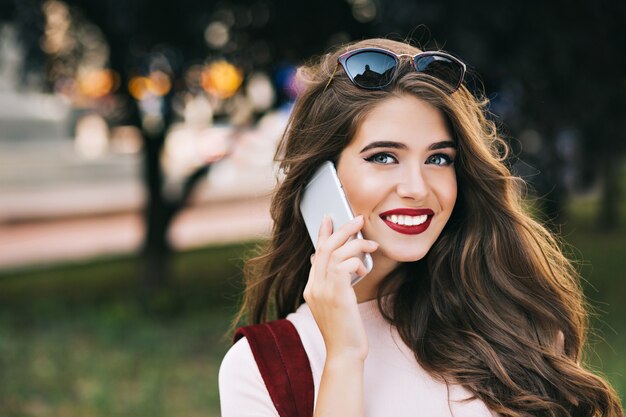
x=406, y=255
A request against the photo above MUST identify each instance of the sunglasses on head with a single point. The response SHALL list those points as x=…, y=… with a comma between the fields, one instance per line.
x=374, y=68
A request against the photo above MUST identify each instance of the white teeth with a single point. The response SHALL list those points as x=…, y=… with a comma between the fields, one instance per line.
x=407, y=220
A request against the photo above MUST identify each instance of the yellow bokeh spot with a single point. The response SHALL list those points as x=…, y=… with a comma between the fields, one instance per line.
x=221, y=79
x=157, y=83
x=97, y=83
x=138, y=87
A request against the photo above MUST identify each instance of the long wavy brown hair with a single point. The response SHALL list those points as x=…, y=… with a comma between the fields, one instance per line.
x=486, y=306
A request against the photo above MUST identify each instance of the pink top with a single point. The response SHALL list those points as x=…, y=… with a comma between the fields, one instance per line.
x=395, y=384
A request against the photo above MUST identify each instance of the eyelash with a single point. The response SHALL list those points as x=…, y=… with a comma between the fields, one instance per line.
x=447, y=158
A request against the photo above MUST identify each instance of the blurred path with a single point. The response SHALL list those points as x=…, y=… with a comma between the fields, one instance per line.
x=69, y=239
x=57, y=208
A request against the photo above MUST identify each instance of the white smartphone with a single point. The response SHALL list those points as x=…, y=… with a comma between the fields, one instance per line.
x=324, y=195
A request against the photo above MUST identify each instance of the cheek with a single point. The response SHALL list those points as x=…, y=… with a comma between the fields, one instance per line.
x=451, y=193
x=446, y=190
x=362, y=195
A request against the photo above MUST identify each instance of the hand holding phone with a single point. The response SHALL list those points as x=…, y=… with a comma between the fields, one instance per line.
x=324, y=195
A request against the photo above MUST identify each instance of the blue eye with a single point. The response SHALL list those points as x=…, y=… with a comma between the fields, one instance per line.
x=440, y=159
x=383, y=158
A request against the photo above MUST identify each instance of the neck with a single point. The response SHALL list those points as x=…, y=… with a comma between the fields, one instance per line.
x=367, y=288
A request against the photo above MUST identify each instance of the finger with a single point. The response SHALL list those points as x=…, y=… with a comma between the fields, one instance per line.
x=362, y=269
x=326, y=229
x=351, y=266
x=354, y=247
x=340, y=236
x=328, y=243
x=343, y=274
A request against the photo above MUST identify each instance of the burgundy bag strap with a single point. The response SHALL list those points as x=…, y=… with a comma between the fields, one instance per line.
x=284, y=365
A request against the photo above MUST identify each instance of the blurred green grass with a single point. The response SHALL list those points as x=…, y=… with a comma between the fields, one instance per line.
x=75, y=340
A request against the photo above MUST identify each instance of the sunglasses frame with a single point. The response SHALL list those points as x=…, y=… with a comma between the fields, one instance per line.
x=343, y=59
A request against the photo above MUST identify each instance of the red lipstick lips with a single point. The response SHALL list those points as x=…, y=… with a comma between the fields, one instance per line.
x=408, y=230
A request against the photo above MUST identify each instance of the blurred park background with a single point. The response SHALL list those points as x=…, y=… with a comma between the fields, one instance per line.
x=136, y=144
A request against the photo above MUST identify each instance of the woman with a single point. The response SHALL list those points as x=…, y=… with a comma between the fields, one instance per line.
x=470, y=309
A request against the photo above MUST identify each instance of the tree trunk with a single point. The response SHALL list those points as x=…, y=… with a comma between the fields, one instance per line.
x=159, y=212
x=156, y=249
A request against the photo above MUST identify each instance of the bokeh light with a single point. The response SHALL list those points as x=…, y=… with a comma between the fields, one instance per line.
x=221, y=79
x=92, y=136
x=216, y=35
x=260, y=91
x=97, y=83
x=364, y=11
x=56, y=39
x=138, y=87
x=285, y=78
x=158, y=83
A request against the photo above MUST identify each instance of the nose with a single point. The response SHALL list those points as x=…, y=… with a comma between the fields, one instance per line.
x=412, y=185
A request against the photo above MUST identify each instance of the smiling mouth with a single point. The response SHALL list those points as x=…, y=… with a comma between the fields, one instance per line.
x=408, y=221
x=409, y=230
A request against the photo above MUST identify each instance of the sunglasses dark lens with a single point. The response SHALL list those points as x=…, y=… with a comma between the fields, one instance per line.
x=440, y=68
x=370, y=69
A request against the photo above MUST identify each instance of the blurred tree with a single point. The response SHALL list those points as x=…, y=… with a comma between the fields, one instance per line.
x=141, y=29
x=164, y=37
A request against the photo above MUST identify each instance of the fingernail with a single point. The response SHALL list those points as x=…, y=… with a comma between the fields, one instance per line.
x=373, y=244
x=357, y=219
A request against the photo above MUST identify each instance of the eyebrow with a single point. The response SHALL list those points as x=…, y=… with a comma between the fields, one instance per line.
x=399, y=145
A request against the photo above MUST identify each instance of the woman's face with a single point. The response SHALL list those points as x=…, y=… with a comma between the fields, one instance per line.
x=398, y=172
